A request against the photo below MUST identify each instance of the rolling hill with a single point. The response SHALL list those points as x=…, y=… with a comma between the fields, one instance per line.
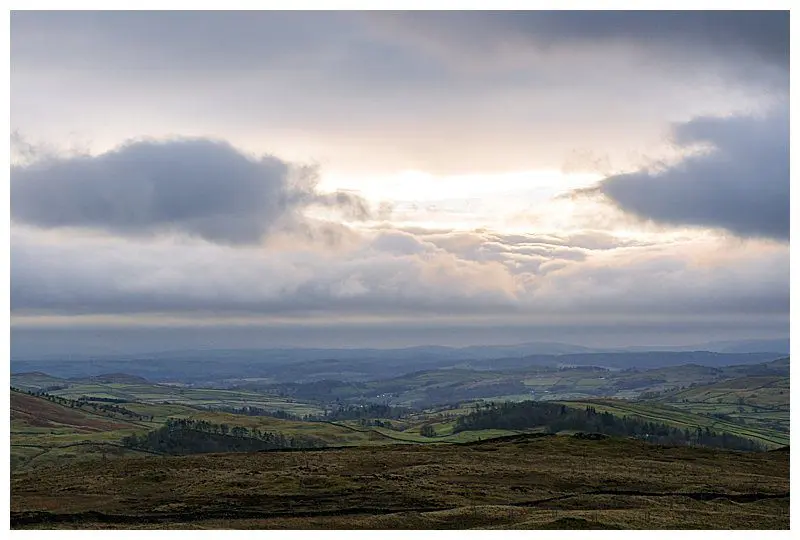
x=520, y=482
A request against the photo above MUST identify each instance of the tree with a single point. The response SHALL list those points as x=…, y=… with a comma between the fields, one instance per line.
x=427, y=431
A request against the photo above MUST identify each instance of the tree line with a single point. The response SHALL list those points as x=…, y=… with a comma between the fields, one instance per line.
x=83, y=402
x=182, y=436
x=554, y=418
x=364, y=413
x=249, y=410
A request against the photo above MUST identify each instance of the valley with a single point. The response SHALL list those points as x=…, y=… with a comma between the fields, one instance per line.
x=423, y=429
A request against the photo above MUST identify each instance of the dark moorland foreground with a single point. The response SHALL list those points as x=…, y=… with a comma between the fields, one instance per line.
x=525, y=481
x=503, y=443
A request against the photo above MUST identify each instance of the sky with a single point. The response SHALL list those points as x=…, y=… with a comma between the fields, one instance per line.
x=400, y=178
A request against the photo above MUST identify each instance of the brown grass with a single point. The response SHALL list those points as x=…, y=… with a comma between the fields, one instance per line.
x=38, y=412
x=545, y=482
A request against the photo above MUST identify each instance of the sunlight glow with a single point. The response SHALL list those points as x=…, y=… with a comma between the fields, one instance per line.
x=420, y=186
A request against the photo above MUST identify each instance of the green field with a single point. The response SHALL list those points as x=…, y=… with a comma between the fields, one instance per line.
x=681, y=418
x=755, y=407
x=763, y=392
x=70, y=467
x=42, y=431
x=760, y=403
x=150, y=393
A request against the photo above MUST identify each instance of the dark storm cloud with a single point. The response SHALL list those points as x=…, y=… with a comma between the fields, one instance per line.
x=200, y=187
x=764, y=34
x=446, y=93
x=356, y=42
x=741, y=184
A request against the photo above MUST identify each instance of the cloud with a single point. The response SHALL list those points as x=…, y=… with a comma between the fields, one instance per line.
x=444, y=93
x=764, y=34
x=739, y=35
x=701, y=278
x=739, y=183
x=117, y=275
x=283, y=39
x=199, y=187
x=397, y=274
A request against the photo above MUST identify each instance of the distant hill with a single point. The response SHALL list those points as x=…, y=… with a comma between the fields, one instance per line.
x=36, y=380
x=37, y=412
x=779, y=367
x=635, y=360
x=780, y=346
x=747, y=346
x=111, y=378
x=764, y=391
x=305, y=365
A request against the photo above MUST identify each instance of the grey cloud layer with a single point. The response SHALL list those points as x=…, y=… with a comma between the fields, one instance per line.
x=741, y=184
x=202, y=40
x=764, y=34
x=115, y=276
x=365, y=91
x=396, y=273
x=228, y=232
x=192, y=186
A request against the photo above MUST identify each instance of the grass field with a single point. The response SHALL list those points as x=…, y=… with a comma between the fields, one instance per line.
x=133, y=390
x=42, y=431
x=199, y=397
x=521, y=482
x=760, y=402
x=674, y=416
x=50, y=432
x=772, y=392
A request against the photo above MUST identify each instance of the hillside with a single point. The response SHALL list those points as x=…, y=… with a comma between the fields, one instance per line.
x=116, y=452
x=298, y=365
x=58, y=430
x=44, y=431
x=36, y=380
x=760, y=402
x=520, y=482
x=120, y=378
x=34, y=412
x=765, y=391
x=685, y=416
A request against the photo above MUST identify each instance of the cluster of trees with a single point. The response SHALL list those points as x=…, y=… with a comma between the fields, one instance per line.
x=555, y=418
x=185, y=436
x=367, y=414
x=54, y=387
x=656, y=394
x=427, y=431
x=249, y=410
x=367, y=422
x=363, y=412
x=83, y=403
x=102, y=399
